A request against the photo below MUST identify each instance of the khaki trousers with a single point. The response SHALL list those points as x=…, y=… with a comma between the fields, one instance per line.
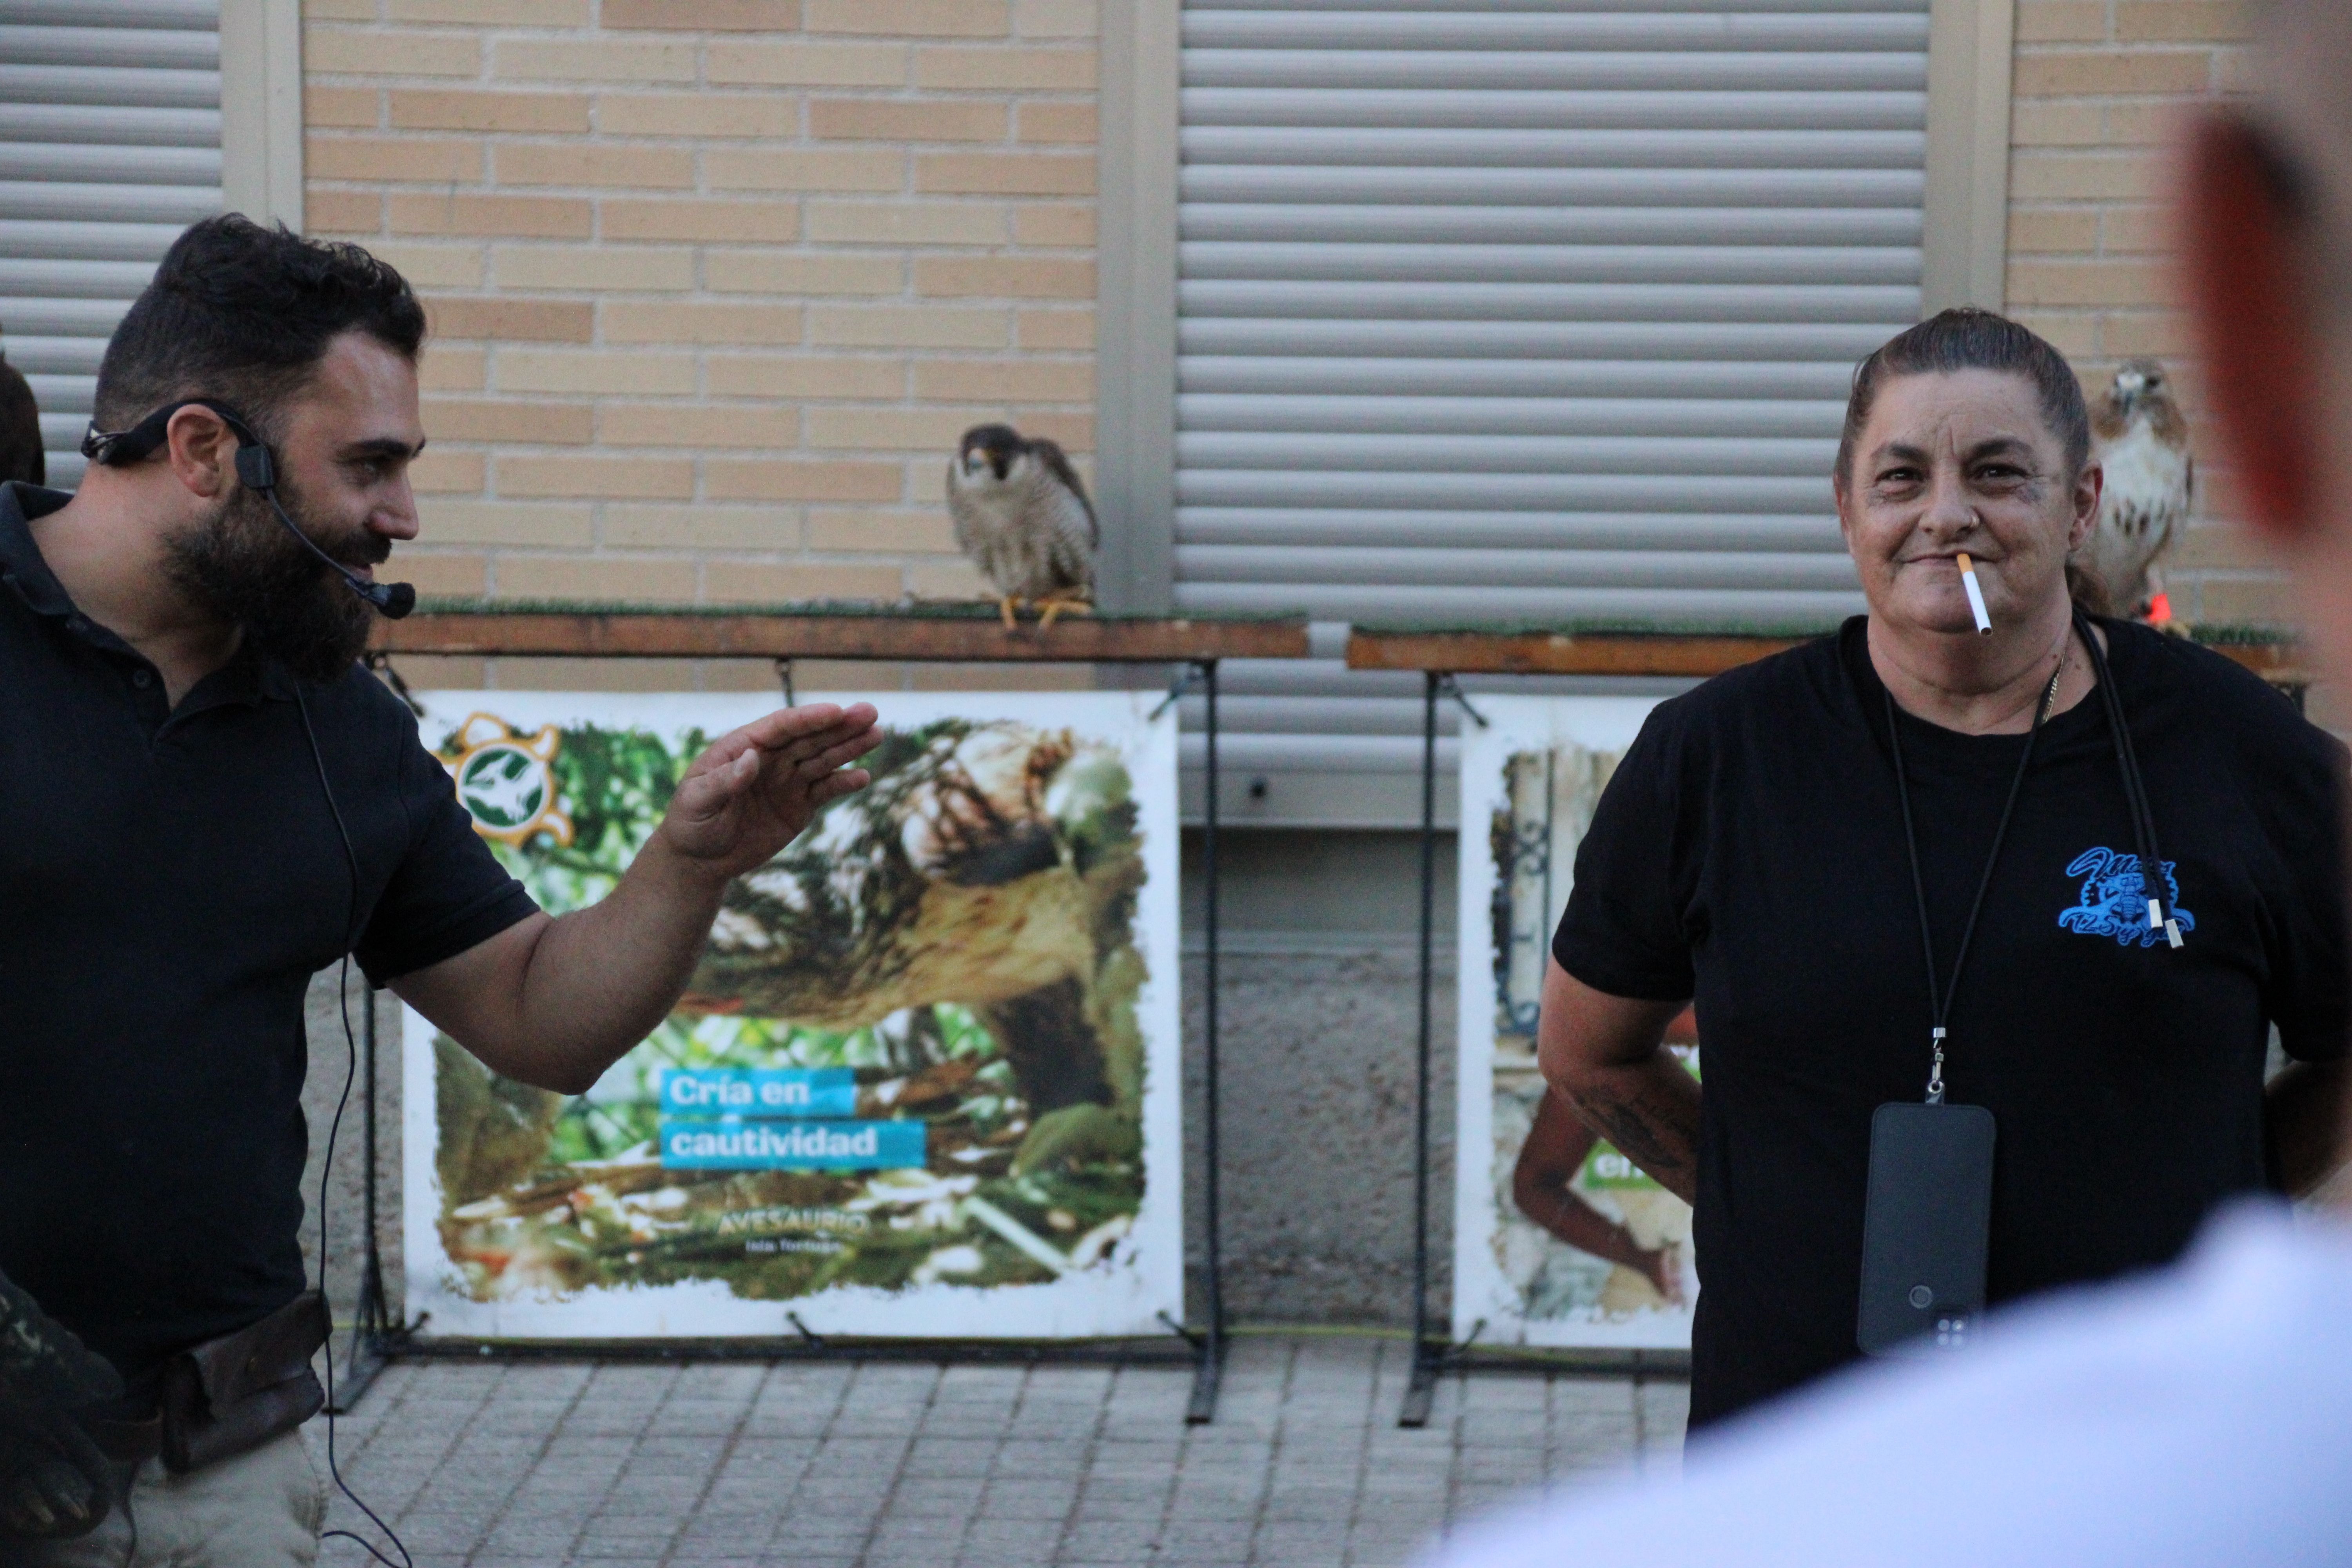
x=261, y=1509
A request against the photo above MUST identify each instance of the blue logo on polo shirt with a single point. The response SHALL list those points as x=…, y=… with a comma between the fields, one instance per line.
x=2114, y=899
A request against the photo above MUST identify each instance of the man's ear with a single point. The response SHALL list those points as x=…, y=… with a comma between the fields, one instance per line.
x=2251, y=303
x=202, y=450
x=2089, y=485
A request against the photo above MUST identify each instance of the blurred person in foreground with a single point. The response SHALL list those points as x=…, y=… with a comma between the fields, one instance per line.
x=2199, y=1416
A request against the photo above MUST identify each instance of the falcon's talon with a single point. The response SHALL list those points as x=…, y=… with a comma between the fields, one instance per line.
x=1056, y=606
x=1011, y=616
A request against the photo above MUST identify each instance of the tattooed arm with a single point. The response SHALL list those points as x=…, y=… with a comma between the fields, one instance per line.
x=1606, y=1057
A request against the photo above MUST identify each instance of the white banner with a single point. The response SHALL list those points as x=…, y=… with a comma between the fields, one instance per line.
x=1559, y=1240
x=924, y=1080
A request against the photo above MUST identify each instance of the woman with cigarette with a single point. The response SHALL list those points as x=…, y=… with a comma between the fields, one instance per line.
x=1904, y=865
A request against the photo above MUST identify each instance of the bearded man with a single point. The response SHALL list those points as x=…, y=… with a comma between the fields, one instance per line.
x=205, y=801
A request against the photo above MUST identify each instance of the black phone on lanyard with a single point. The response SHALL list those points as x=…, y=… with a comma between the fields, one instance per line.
x=1925, y=1228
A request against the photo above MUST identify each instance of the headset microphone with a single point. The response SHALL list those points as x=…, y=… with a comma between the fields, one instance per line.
x=257, y=472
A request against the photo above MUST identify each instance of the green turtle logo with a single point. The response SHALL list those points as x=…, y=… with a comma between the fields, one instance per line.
x=505, y=782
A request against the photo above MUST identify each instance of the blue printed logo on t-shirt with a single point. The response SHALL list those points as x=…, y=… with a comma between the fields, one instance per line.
x=2114, y=899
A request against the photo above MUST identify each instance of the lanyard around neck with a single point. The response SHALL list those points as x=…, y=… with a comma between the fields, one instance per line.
x=1939, y=1003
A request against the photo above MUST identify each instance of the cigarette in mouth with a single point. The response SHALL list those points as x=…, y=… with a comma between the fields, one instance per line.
x=1976, y=596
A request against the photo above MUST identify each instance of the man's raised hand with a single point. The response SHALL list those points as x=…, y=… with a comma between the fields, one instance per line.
x=755, y=790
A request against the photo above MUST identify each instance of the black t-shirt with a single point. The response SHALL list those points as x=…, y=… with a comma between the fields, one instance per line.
x=1749, y=853
x=169, y=882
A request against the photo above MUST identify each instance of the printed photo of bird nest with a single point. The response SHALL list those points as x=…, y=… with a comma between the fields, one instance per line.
x=909, y=1057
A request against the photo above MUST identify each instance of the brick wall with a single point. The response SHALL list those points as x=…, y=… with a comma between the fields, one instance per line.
x=2097, y=86
x=714, y=284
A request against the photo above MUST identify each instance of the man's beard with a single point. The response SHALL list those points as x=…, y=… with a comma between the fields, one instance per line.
x=246, y=569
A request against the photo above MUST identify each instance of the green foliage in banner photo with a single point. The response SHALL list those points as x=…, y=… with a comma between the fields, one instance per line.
x=942, y=973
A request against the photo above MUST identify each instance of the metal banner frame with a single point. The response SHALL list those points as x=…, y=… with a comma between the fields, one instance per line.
x=941, y=633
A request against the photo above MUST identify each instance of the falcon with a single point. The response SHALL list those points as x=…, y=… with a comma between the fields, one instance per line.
x=2142, y=442
x=1024, y=520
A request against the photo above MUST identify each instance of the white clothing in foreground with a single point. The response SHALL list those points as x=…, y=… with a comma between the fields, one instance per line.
x=2200, y=1415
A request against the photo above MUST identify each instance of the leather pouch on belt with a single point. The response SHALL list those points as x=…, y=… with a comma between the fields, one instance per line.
x=232, y=1394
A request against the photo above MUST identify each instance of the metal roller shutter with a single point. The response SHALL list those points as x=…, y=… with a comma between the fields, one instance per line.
x=1537, y=312
x=110, y=145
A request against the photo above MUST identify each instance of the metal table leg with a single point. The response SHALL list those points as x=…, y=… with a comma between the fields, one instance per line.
x=1211, y=1366
x=1422, y=1388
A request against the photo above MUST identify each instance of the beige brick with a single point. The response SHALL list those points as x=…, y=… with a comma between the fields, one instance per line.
x=2183, y=21
x=898, y=119
x=771, y=375
x=737, y=674
x=790, y=272
x=538, y=217
x=1054, y=224
x=591, y=59
x=340, y=10
x=698, y=426
x=615, y=579
x=1075, y=433
x=597, y=475
x=968, y=69
x=2161, y=334
x=830, y=169
x=888, y=429
x=432, y=266
x=949, y=579
x=2083, y=176
x=750, y=582
x=1004, y=381
x=705, y=16
x=354, y=51
x=906, y=326
x=557, y=369
x=881, y=533
x=761, y=478
x=701, y=528
x=906, y=223
x=446, y=368
x=1070, y=122
x=599, y=266
x=1052, y=328
x=425, y=159
x=2056, y=123
x=511, y=522
x=919, y=18
x=2107, y=284
x=2066, y=230
x=846, y=675
x=2062, y=21
x=2072, y=74
x=436, y=575
x=514, y=674
x=511, y=319
x=342, y=106
x=2140, y=124
x=342, y=212
x=641, y=322
x=438, y=471
x=2245, y=602
x=2125, y=231
x=1005, y=277
x=984, y=676
x=1056, y=18
x=531, y=164
x=465, y=110
x=2217, y=546
x=697, y=114
x=1007, y=173
x=693, y=219
x=485, y=419
x=807, y=65
x=2073, y=333
x=491, y=13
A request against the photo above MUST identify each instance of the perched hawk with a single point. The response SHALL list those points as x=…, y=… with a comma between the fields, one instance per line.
x=1023, y=518
x=2142, y=442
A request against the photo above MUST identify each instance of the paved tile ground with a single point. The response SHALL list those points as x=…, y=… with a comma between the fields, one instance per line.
x=882, y=1465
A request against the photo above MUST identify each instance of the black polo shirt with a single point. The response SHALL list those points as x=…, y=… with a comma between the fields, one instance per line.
x=169, y=879
x=1749, y=852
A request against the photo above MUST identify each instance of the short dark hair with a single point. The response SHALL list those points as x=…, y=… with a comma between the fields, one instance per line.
x=1966, y=338
x=243, y=312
